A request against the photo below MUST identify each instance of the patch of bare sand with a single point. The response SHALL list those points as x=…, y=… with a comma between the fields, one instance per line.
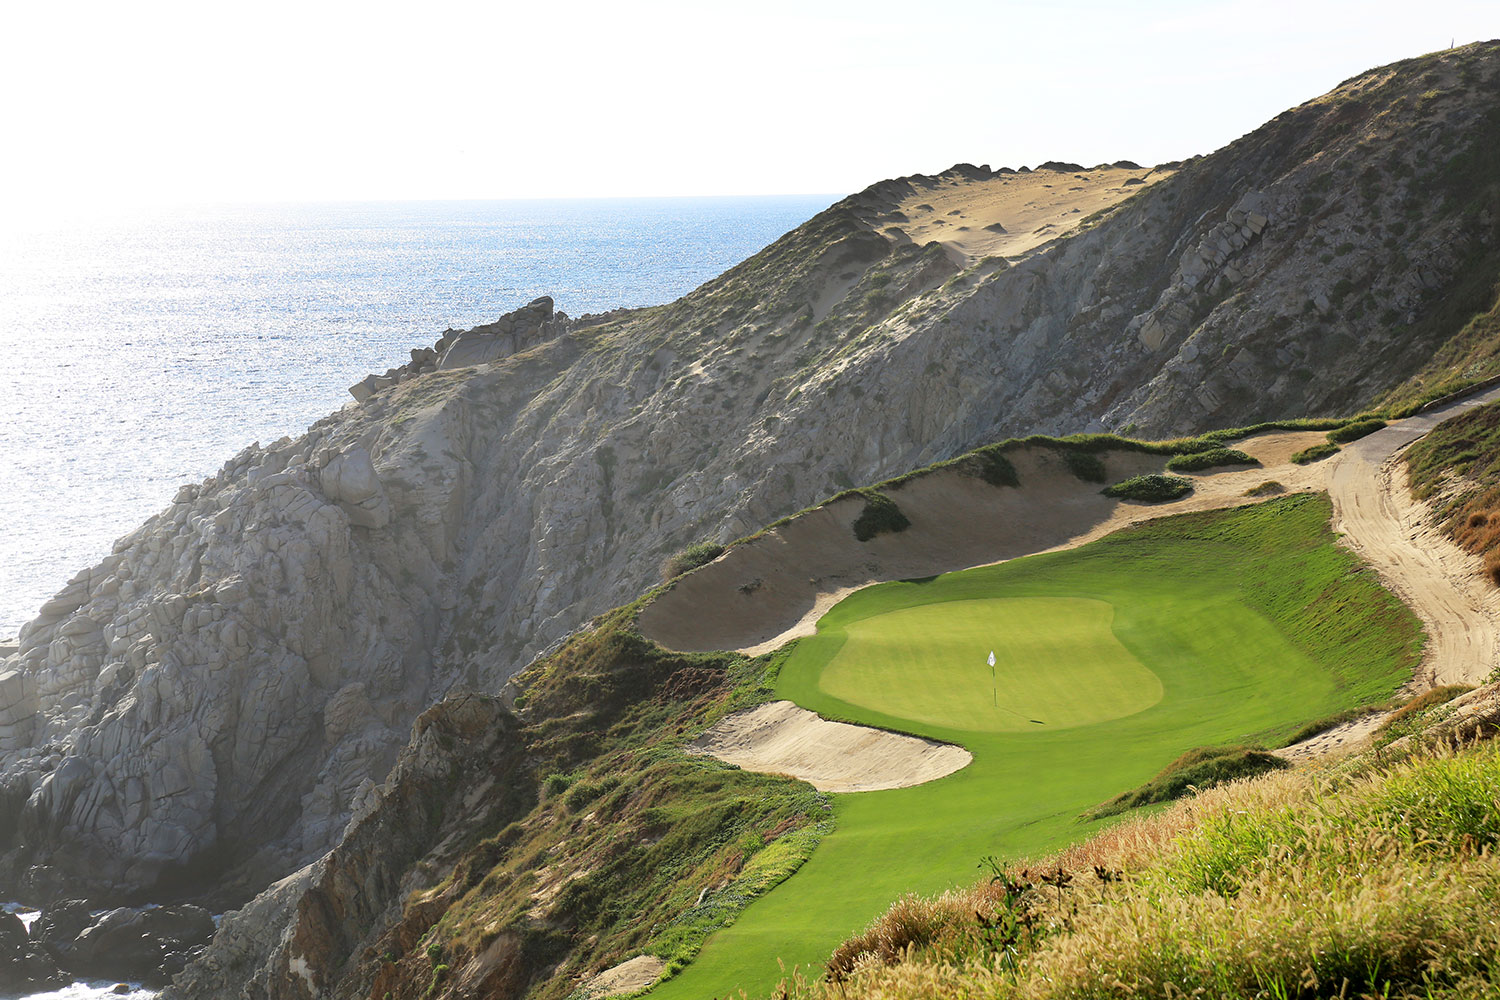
x=780, y=738
x=764, y=593
x=1009, y=215
x=630, y=976
x=1345, y=738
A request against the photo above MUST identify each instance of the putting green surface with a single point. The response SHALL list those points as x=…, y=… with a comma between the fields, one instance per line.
x=1224, y=627
x=1057, y=663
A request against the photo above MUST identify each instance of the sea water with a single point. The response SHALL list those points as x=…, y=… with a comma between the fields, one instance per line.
x=142, y=352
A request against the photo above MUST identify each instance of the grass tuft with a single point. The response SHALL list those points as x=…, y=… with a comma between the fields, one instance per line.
x=1087, y=466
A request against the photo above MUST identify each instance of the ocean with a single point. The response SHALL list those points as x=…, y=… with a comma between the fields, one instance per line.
x=145, y=351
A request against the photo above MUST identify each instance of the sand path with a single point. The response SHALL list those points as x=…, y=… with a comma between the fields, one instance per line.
x=1443, y=584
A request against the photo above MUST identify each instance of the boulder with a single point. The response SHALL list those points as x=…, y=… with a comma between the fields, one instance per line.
x=24, y=966
x=59, y=925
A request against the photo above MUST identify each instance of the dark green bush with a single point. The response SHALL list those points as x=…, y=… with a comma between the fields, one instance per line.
x=1086, y=466
x=1197, y=460
x=993, y=467
x=1153, y=488
x=879, y=516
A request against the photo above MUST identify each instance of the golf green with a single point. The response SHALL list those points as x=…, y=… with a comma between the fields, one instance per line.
x=1057, y=663
x=1202, y=629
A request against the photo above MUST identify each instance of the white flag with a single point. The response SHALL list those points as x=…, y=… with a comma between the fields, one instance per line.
x=992, y=657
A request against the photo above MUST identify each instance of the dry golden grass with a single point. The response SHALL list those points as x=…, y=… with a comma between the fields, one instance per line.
x=1356, y=880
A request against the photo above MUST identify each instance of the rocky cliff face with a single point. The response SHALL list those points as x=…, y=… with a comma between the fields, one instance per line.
x=216, y=700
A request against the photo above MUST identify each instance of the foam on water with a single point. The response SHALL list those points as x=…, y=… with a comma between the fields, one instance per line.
x=143, y=354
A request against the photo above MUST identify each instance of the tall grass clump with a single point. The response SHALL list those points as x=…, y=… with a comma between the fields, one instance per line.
x=690, y=558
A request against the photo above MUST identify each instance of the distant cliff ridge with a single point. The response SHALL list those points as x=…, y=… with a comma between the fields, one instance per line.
x=211, y=704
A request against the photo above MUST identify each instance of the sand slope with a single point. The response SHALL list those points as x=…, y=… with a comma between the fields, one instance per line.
x=1009, y=215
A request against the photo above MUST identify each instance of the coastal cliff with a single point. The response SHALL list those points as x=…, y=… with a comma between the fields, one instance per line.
x=210, y=707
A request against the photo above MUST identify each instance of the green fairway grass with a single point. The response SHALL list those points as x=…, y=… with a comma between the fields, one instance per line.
x=1220, y=627
x=1057, y=663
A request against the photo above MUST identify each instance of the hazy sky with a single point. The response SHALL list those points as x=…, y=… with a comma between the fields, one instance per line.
x=149, y=101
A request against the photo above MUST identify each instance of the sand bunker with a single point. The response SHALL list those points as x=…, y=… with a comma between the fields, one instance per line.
x=780, y=738
x=1009, y=215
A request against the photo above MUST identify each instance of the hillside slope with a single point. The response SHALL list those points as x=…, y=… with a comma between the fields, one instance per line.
x=214, y=701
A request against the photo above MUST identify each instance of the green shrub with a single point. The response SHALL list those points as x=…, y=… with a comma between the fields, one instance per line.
x=1268, y=488
x=879, y=516
x=690, y=558
x=1153, y=488
x=1314, y=453
x=1354, y=431
x=993, y=467
x=1196, y=460
x=1086, y=466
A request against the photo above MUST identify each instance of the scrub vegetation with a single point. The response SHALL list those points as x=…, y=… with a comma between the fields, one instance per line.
x=1457, y=467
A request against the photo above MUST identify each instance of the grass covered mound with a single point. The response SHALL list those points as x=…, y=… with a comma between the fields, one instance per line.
x=1318, y=451
x=1152, y=488
x=1211, y=459
x=1354, y=430
x=1198, y=769
x=1252, y=621
x=1366, y=882
x=1457, y=466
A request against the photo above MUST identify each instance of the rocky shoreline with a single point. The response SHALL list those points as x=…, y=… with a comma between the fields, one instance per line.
x=68, y=941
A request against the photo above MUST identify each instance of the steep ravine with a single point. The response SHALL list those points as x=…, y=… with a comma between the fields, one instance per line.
x=208, y=707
